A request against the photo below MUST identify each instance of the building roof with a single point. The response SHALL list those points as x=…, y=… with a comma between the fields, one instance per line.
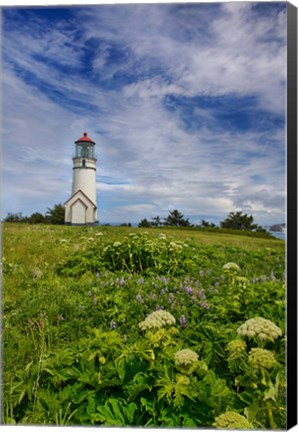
x=85, y=138
x=77, y=194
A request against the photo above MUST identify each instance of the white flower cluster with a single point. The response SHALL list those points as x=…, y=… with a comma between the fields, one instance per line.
x=185, y=357
x=157, y=319
x=260, y=328
x=231, y=266
x=231, y=420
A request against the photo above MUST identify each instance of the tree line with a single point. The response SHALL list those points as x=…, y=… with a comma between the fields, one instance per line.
x=53, y=215
x=234, y=221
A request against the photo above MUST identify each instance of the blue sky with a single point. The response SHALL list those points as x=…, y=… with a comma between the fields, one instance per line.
x=186, y=104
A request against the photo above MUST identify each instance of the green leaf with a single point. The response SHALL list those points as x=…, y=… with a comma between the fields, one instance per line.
x=251, y=411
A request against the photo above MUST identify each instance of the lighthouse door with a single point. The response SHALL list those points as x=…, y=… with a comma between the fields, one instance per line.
x=78, y=213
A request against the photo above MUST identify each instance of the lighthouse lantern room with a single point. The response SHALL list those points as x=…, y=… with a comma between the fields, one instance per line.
x=80, y=208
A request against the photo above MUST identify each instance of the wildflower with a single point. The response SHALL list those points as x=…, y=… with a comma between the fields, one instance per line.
x=261, y=358
x=237, y=349
x=157, y=319
x=37, y=273
x=204, y=305
x=260, y=328
x=171, y=297
x=182, y=321
x=231, y=266
x=185, y=357
x=99, y=234
x=95, y=301
x=113, y=324
x=188, y=290
x=140, y=281
x=236, y=345
x=201, y=273
x=162, y=236
x=122, y=281
x=231, y=420
x=139, y=298
x=117, y=244
x=97, y=275
x=90, y=239
x=153, y=297
x=202, y=294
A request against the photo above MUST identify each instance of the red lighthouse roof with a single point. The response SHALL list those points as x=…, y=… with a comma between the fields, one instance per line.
x=85, y=138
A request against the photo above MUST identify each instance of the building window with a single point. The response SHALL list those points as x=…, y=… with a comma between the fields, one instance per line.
x=84, y=163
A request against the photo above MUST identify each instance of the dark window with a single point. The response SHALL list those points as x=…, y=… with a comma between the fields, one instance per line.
x=84, y=163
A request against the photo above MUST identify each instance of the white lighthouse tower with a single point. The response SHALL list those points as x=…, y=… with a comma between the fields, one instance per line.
x=81, y=207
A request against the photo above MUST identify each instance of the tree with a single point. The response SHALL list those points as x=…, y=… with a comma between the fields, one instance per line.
x=156, y=221
x=206, y=224
x=144, y=224
x=55, y=215
x=15, y=217
x=36, y=218
x=239, y=221
x=175, y=218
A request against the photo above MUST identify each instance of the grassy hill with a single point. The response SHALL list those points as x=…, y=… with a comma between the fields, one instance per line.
x=165, y=327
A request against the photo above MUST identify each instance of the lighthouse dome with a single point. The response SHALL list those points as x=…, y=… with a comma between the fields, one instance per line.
x=85, y=138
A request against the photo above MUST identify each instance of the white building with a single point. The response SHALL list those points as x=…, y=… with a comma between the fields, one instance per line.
x=81, y=208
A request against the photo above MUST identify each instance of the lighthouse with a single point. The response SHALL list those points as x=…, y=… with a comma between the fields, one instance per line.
x=81, y=208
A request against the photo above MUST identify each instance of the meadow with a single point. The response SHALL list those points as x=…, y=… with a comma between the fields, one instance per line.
x=164, y=327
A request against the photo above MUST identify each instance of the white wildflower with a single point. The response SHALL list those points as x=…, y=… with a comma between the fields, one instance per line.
x=261, y=328
x=231, y=266
x=231, y=420
x=185, y=357
x=157, y=319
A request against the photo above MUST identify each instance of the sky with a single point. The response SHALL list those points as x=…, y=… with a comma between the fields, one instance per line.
x=186, y=104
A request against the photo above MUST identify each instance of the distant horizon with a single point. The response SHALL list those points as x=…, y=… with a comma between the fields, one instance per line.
x=186, y=103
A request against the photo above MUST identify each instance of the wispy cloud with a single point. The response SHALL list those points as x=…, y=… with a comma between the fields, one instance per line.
x=186, y=103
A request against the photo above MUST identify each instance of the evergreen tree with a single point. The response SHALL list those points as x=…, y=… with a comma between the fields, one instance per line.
x=175, y=218
x=240, y=221
x=55, y=215
x=144, y=223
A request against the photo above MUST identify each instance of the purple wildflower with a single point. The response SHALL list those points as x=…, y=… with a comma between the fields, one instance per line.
x=183, y=321
x=122, y=281
x=113, y=324
x=153, y=297
x=189, y=290
x=204, y=305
